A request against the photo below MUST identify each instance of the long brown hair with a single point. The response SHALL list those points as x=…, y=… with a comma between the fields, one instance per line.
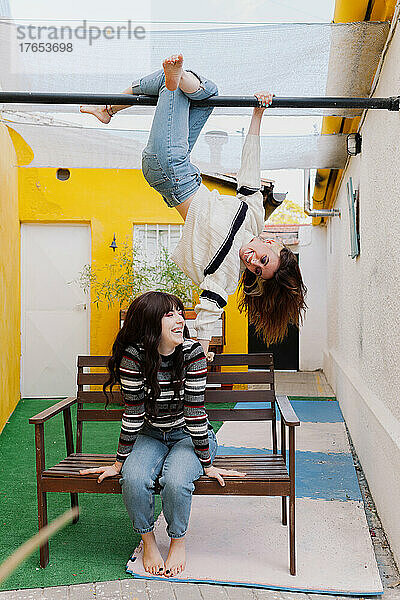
x=142, y=328
x=272, y=304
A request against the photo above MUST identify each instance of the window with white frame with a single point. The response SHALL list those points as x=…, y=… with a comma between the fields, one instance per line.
x=152, y=238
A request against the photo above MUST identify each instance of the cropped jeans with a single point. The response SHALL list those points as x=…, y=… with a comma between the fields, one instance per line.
x=176, y=126
x=170, y=457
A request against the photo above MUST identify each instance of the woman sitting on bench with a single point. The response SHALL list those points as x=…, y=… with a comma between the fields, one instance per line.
x=223, y=243
x=165, y=431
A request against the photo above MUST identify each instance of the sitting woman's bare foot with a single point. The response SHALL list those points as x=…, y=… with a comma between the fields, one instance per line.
x=176, y=559
x=173, y=67
x=98, y=111
x=152, y=560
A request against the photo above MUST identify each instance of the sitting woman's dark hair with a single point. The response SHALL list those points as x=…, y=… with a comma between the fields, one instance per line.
x=272, y=304
x=142, y=327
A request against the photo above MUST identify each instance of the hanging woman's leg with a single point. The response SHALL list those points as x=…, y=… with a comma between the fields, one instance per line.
x=105, y=112
x=166, y=159
x=148, y=85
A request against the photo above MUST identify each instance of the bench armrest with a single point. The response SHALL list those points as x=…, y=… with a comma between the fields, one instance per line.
x=52, y=410
x=288, y=415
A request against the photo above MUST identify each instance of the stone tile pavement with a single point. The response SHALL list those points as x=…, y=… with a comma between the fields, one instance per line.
x=296, y=384
x=306, y=383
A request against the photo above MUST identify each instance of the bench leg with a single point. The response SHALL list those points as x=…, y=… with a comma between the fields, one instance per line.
x=292, y=535
x=42, y=516
x=284, y=510
x=74, y=502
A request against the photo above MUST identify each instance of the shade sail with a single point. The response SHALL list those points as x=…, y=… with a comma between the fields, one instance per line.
x=70, y=146
x=290, y=59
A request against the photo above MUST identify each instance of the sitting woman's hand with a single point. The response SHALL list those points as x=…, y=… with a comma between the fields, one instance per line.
x=216, y=473
x=210, y=356
x=108, y=471
x=264, y=99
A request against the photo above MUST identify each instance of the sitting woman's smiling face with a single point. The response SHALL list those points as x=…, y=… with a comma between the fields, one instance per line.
x=261, y=256
x=172, y=325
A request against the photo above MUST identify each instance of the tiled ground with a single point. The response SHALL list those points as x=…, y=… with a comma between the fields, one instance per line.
x=302, y=384
x=292, y=384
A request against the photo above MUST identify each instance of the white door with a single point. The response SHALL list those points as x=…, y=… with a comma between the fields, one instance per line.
x=55, y=310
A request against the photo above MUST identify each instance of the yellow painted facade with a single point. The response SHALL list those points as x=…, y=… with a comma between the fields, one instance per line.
x=110, y=201
x=9, y=280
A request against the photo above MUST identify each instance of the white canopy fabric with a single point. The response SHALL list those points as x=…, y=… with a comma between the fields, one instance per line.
x=69, y=146
x=290, y=59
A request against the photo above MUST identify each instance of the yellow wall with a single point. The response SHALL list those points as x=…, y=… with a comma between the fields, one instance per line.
x=111, y=201
x=9, y=279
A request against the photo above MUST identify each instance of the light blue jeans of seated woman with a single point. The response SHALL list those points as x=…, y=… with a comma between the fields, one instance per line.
x=171, y=457
x=176, y=126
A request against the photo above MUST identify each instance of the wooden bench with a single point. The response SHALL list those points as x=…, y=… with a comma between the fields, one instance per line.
x=267, y=475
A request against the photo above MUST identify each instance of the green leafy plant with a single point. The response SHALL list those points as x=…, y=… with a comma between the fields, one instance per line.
x=130, y=274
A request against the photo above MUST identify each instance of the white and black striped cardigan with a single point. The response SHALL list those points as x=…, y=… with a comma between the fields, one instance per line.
x=215, y=229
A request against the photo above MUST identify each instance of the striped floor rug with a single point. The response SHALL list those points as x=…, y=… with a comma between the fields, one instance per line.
x=240, y=540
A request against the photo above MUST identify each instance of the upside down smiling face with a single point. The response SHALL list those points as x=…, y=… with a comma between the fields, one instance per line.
x=261, y=256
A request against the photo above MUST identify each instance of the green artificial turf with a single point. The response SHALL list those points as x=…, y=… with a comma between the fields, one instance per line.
x=94, y=549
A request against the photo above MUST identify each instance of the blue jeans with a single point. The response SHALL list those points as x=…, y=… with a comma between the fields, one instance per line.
x=176, y=126
x=170, y=456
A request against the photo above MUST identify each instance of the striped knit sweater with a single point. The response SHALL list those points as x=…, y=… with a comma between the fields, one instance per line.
x=188, y=410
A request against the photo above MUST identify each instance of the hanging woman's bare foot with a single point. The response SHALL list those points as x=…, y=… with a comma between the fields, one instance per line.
x=176, y=559
x=173, y=67
x=98, y=111
x=152, y=560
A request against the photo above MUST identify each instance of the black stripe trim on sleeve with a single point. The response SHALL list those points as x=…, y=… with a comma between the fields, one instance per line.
x=237, y=222
x=247, y=191
x=213, y=297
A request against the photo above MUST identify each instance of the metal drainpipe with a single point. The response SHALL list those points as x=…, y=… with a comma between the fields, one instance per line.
x=332, y=212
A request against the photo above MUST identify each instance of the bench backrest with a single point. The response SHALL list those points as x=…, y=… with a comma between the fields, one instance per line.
x=249, y=386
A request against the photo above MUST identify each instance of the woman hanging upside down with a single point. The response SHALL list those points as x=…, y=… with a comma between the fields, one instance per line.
x=224, y=244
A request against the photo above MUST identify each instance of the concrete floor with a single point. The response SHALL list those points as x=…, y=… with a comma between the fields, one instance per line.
x=292, y=384
x=306, y=383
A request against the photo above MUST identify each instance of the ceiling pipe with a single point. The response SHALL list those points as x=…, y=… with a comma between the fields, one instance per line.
x=325, y=212
x=392, y=103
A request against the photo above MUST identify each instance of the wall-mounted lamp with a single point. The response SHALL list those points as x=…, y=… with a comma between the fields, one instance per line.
x=353, y=144
x=113, y=244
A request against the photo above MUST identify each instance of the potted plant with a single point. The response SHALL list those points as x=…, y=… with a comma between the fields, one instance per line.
x=130, y=274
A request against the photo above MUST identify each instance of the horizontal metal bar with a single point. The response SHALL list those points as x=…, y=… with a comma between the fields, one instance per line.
x=391, y=103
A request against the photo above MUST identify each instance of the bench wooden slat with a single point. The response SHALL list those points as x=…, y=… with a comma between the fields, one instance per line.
x=211, y=395
x=248, y=467
x=240, y=360
x=231, y=360
x=267, y=467
x=237, y=377
x=93, y=414
x=226, y=377
x=214, y=414
x=215, y=396
x=110, y=458
x=238, y=414
x=98, y=397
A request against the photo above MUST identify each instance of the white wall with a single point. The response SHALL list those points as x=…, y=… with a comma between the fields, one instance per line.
x=312, y=260
x=363, y=308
